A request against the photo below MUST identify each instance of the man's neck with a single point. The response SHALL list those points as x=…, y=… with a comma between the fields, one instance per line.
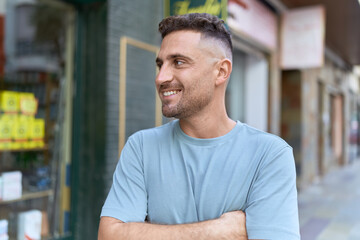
x=207, y=127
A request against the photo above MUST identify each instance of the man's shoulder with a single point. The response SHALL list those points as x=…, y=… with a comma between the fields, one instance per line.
x=261, y=138
x=149, y=139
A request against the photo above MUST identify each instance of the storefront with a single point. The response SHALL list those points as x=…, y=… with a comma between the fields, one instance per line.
x=252, y=95
x=318, y=96
x=35, y=121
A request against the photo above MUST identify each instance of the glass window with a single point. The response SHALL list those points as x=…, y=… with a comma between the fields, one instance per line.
x=34, y=164
x=235, y=94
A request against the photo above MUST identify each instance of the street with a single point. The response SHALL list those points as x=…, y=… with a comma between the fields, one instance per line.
x=330, y=209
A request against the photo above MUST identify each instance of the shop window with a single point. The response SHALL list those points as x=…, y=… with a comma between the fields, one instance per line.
x=34, y=193
x=235, y=94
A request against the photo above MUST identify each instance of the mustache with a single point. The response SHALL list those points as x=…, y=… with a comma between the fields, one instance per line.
x=170, y=85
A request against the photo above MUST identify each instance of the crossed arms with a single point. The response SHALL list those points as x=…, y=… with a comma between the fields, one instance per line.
x=230, y=225
x=271, y=206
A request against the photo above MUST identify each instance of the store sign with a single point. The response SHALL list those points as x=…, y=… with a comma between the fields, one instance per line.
x=254, y=22
x=181, y=7
x=302, y=38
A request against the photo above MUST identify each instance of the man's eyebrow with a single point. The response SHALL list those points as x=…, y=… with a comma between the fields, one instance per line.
x=172, y=56
x=178, y=55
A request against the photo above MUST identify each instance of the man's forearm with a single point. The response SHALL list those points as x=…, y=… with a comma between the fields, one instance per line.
x=140, y=231
x=228, y=227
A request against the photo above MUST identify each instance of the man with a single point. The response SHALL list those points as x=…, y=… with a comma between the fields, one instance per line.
x=197, y=177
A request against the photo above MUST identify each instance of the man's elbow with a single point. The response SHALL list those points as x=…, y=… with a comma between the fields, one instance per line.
x=110, y=228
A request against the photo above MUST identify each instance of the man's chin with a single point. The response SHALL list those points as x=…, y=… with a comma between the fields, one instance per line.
x=170, y=114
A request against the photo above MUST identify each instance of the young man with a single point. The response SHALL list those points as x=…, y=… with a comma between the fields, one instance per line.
x=197, y=177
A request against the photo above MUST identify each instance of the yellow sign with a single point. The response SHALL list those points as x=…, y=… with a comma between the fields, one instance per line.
x=181, y=7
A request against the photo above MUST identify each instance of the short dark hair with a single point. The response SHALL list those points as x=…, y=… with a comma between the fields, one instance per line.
x=207, y=24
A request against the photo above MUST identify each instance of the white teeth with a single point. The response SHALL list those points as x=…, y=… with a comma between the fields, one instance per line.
x=169, y=93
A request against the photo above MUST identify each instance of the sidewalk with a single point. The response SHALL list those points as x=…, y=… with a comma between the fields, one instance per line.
x=330, y=209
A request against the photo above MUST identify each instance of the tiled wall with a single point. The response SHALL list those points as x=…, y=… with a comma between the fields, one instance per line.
x=139, y=20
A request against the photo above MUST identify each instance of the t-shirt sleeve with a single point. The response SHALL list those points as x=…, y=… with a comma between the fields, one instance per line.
x=127, y=199
x=272, y=210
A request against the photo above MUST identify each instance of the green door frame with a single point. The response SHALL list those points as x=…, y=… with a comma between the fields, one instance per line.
x=86, y=190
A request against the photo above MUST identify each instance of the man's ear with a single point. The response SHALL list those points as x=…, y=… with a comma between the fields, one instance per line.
x=224, y=71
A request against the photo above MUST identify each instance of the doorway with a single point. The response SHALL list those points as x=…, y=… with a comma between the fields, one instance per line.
x=337, y=127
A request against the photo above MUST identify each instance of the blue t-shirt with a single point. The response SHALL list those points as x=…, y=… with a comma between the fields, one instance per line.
x=171, y=178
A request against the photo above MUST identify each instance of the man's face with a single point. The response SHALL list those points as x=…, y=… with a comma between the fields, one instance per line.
x=186, y=78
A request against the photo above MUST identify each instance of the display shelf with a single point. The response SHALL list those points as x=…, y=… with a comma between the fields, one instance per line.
x=29, y=161
x=28, y=196
x=26, y=150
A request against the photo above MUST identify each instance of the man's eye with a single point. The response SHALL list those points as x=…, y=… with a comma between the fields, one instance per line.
x=178, y=62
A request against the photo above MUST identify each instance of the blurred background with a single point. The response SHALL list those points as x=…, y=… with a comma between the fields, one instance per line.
x=77, y=79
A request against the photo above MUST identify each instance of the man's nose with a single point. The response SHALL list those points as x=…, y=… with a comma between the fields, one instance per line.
x=165, y=74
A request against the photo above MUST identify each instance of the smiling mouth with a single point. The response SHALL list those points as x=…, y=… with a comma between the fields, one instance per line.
x=170, y=93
